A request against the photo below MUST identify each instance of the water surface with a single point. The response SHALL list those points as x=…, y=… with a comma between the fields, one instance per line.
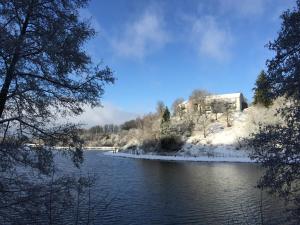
x=131, y=191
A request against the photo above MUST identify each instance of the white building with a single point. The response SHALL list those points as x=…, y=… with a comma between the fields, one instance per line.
x=236, y=100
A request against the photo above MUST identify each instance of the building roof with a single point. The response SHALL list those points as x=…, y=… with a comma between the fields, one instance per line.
x=219, y=96
x=231, y=95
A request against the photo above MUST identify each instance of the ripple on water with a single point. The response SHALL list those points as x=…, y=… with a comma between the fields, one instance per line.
x=161, y=192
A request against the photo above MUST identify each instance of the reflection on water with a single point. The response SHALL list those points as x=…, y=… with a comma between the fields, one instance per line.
x=160, y=192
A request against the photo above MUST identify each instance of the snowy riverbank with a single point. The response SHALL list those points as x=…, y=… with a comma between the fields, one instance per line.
x=222, y=144
x=241, y=159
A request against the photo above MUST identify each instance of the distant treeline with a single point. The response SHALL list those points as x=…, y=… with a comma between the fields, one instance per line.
x=103, y=129
x=112, y=128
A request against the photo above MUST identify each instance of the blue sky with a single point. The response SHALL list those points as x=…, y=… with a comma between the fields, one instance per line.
x=162, y=50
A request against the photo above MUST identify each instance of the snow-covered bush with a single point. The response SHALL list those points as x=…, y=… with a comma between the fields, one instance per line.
x=182, y=127
x=260, y=115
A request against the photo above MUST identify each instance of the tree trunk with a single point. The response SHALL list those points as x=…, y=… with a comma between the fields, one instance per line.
x=11, y=70
x=227, y=118
x=4, y=92
x=261, y=208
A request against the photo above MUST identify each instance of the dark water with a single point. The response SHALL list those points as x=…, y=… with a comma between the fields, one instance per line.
x=130, y=191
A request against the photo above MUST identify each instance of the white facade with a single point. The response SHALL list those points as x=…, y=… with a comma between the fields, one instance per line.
x=235, y=99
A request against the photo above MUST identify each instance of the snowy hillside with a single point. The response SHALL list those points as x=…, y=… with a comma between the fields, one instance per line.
x=221, y=141
x=216, y=142
x=221, y=144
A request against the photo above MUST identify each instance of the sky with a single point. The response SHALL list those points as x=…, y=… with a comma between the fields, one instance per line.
x=164, y=49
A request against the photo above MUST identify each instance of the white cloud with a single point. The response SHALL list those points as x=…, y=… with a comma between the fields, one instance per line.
x=141, y=37
x=243, y=8
x=103, y=115
x=211, y=38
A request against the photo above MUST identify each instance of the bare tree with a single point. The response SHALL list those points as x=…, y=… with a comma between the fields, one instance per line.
x=203, y=122
x=45, y=71
x=176, y=109
x=160, y=108
x=216, y=107
x=140, y=123
x=227, y=110
x=198, y=100
x=44, y=74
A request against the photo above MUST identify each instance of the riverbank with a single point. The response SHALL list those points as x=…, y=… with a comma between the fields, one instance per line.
x=221, y=144
x=239, y=159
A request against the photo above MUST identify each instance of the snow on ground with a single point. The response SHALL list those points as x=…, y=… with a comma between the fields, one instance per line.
x=222, y=141
x=181, y=158
x=219, y=134
x=221, y=144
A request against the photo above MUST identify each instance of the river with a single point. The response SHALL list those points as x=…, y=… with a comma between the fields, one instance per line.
x=133, y=191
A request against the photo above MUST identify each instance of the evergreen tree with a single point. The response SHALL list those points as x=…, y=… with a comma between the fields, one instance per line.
x=277, y=147
x=165, y=122
x=262, y=90
x=168, y=140
x=166, y=115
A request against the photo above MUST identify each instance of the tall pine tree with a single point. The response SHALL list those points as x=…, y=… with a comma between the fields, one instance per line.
x=277, y=147
x=262, y=90
x=165, y=122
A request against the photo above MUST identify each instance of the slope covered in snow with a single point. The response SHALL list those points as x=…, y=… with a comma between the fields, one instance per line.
x=222, y=143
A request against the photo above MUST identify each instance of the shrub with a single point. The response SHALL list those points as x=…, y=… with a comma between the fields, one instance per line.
x=170, y=143
x=244, y=105
x=150, y=145
x=182, y=128
x=131, y=124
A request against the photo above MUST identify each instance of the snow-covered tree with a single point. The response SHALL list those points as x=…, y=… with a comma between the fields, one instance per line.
x=216, y=107
x=176, y=109
x=227, y=110
x=198, y=100
x=203, y=122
